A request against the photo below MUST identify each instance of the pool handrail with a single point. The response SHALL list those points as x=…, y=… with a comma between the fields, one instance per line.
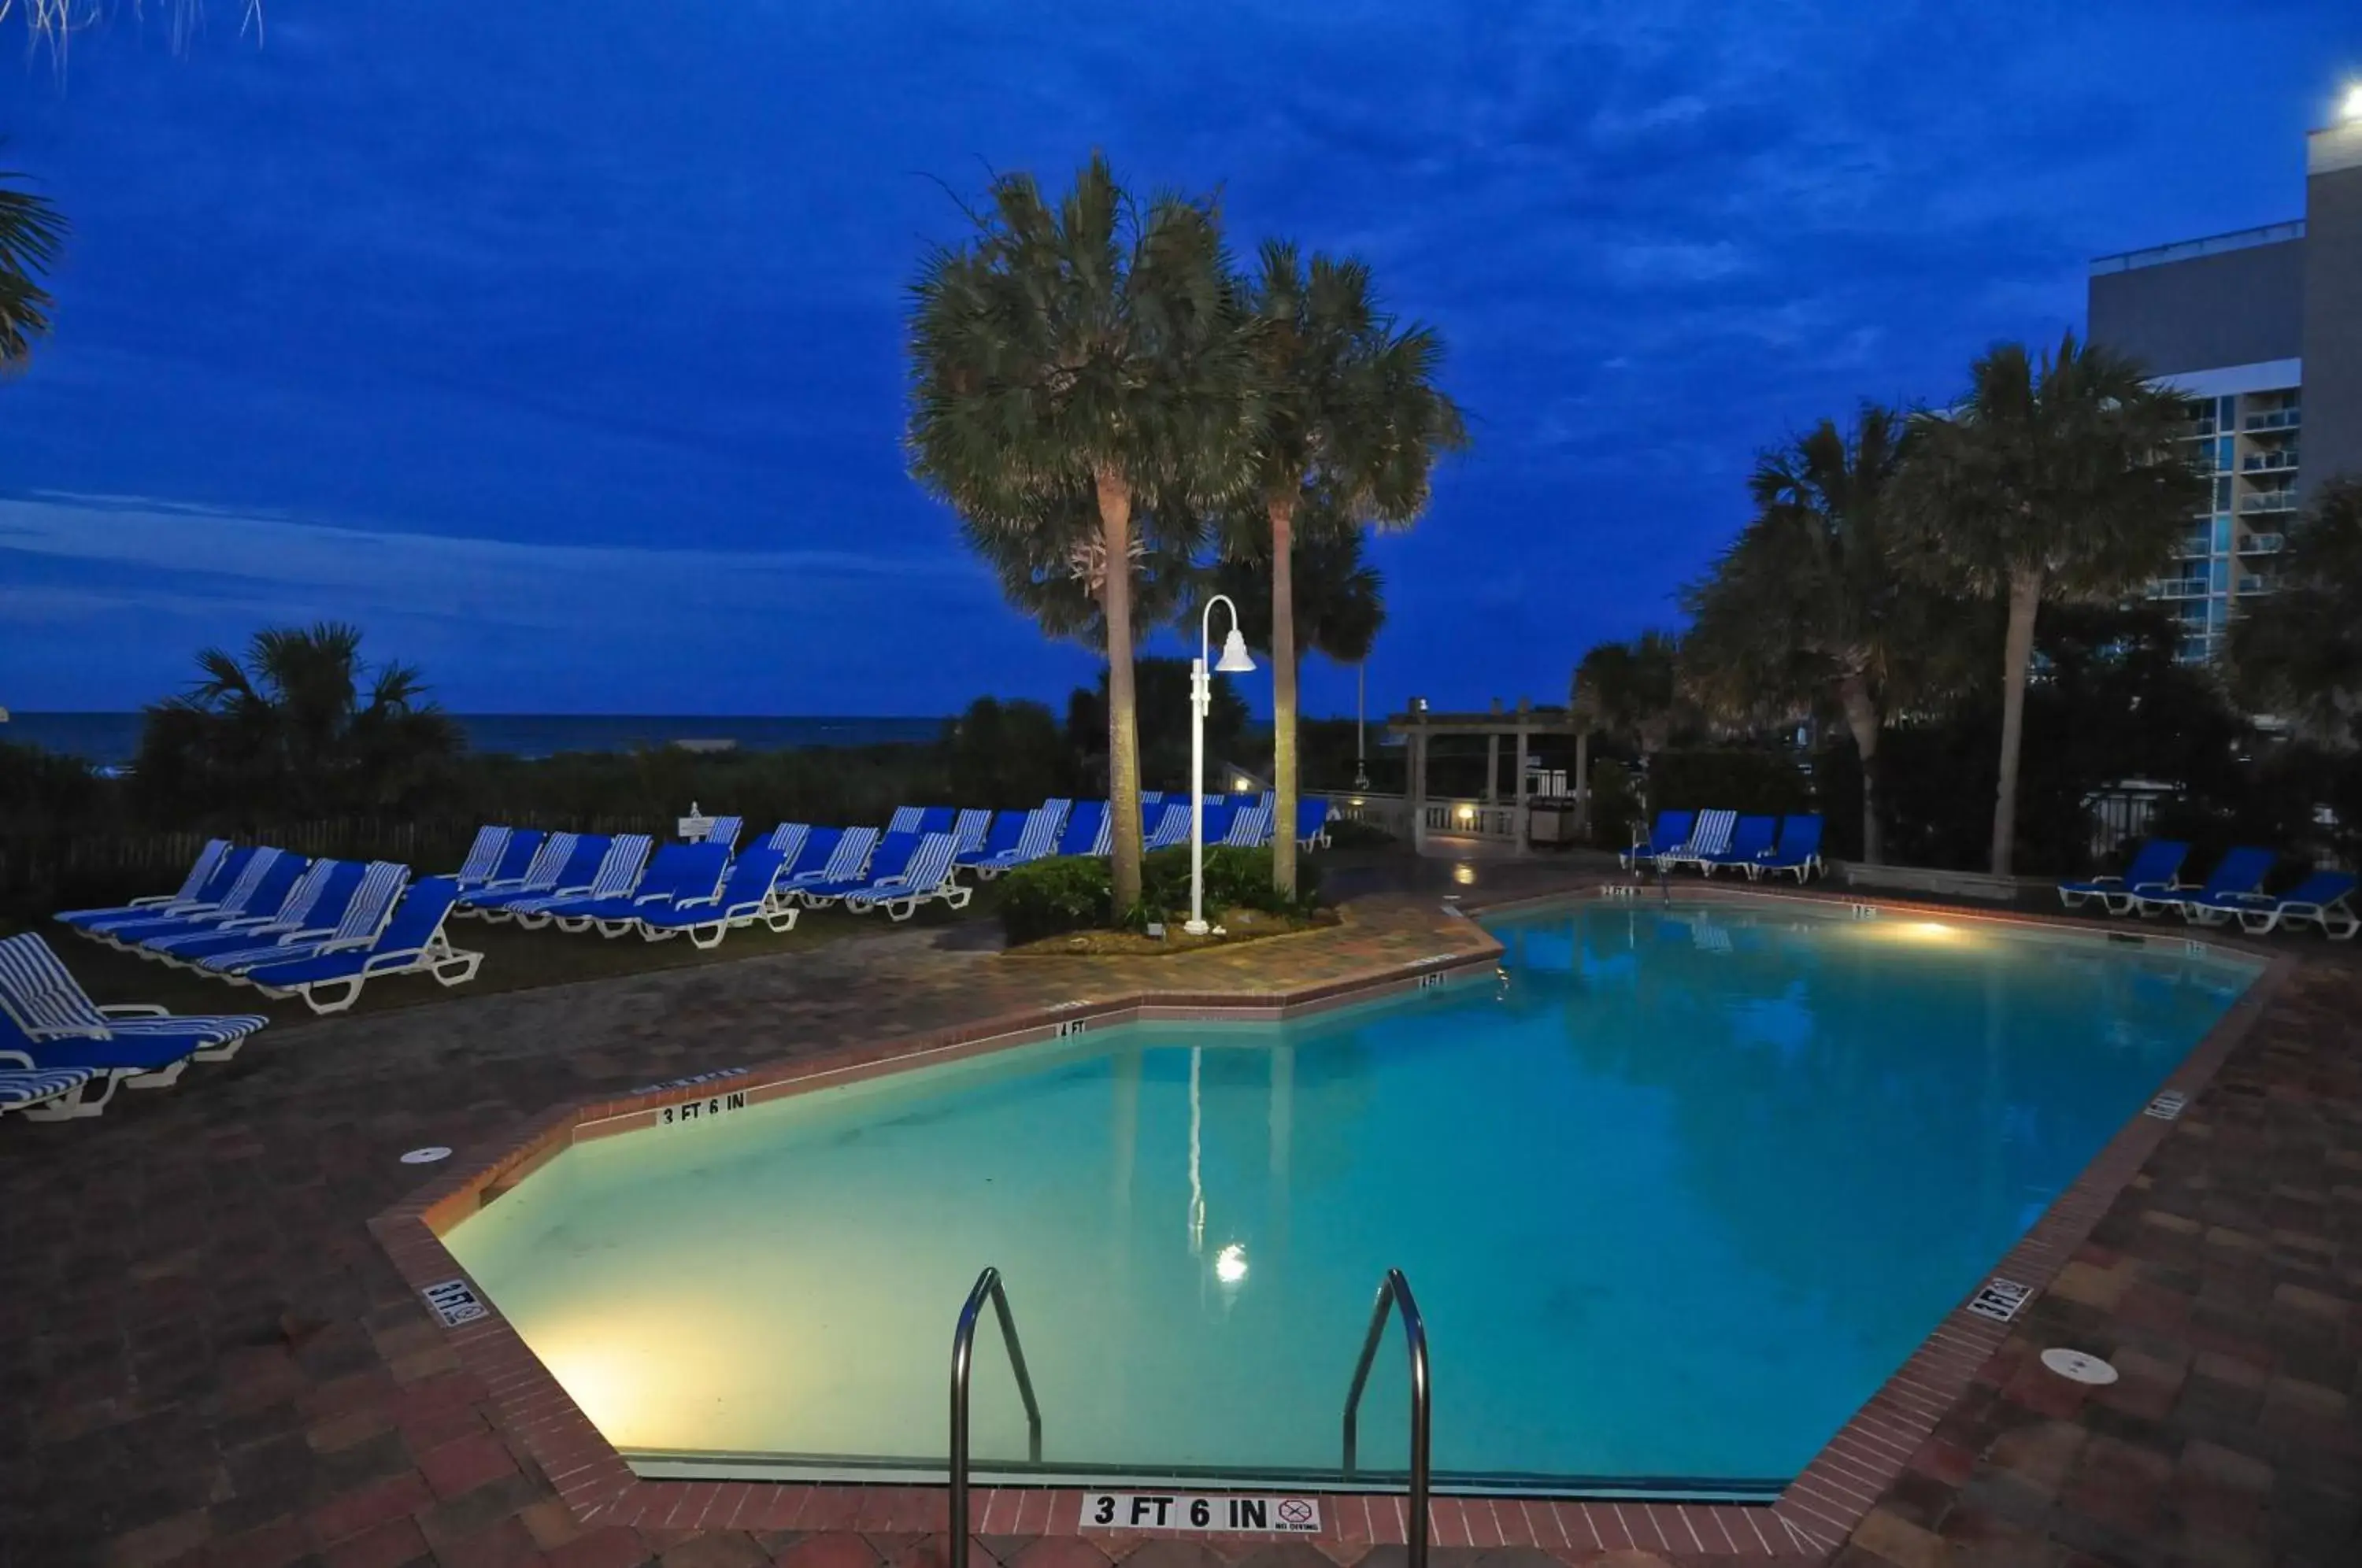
x=1393, y=1293
x=988, y=1284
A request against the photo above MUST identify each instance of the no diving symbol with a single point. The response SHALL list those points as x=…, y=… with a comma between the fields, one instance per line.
x=1294, y=1511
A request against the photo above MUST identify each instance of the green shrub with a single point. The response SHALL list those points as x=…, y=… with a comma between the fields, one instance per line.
x=1074, y=892
x=1760, y=782
x=1615, y=804
x=1068, y=892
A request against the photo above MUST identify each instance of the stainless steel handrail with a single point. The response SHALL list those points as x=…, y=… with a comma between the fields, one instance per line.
x=988, y=1284
x=1393, y=1293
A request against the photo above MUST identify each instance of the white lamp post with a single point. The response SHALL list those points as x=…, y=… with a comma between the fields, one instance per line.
x=1234, y=661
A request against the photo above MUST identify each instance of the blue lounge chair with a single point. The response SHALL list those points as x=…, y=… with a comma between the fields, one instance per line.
x=968, y=831
x=366, y=914
x=1312, y=822
x=724, y=831
x=679, y=872
x=2326, y=898
x=549, y=858
x=1709, y=836
x=906, y=819
x=2158, y=864
x=191, y=896
x=1799, y=851
x=1750, y=842
x=2240, y=871
x=52, y=1022
x=788, y=839
x=848, y=853
x=412, y=943
x=617, y=873
x=28, y=1089
x=747, y=895
x=1219, y=812
x=1037, y=836
x=925, y=877
x=236, y=871
x=585, y=854
x=891, y=859
x=1172, y=826
x=1090, y=829
x=261, y=894
x=999, y=839
x=1671, y=831
x=100, y=1065
x=318, y=900
x=1250, y=825
x=483, y=858
x=517, y=857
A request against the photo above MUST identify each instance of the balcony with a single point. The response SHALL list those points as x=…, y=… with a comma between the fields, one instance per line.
x=2263, y=543
x=2199, y=429
x=2251, y=585
x=2279, y=462
x=2195, y=546
x=2277, y=419
x=2269, y=501
x=2177, y=588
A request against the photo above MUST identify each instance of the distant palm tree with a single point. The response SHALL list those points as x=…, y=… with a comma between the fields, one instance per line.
x=1073, y=361
x=2302, y=656
x=1338, y=598
x=1631, y=689
x=2055, y=478
x=1348, y=423
x=32, y=233
x=1808, y=606
x=301, y=727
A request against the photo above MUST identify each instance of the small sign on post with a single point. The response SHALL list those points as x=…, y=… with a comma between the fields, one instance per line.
x=694, y=827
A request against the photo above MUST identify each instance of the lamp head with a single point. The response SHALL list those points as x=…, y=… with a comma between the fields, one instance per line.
x=1234, y=660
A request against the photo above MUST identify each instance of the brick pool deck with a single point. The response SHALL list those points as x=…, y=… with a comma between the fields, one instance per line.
x=207, y=1358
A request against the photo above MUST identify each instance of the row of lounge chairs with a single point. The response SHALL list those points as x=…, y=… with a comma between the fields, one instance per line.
x=268, y=918
x=1708, y=841
x=2152, y=886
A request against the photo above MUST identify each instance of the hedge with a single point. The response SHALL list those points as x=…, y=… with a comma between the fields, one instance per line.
x=1074, y=892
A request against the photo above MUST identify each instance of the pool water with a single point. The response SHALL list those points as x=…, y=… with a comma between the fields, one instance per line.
x=1676, y=1195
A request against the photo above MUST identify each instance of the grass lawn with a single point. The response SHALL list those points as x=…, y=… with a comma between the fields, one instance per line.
x=514, y=960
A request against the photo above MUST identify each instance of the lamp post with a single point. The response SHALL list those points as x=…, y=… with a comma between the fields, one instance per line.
x=1361, y=723
x=1234, y=661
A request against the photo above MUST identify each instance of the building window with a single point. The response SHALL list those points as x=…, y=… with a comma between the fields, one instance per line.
x=2222, y=533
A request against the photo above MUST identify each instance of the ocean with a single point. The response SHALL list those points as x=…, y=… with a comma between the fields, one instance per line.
x=113, y=739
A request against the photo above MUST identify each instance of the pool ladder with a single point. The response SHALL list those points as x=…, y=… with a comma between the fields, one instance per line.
x=1393, y=1297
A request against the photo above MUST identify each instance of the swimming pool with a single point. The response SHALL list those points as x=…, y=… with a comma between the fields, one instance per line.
x=1677, y=1194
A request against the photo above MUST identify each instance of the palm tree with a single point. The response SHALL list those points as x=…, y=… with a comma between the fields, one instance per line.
x=1348, y=423
x=1339, y=601
x=1631, y=689
x=2302, y=657
x=1809, y=606
x=302, y=726
x=2055, y=478
x=32, y=233
x=1086, y=355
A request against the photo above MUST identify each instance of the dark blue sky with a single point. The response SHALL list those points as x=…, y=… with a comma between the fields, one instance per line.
x=558, y=343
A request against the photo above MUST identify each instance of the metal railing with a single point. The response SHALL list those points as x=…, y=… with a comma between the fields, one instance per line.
x=2269, y=501
x=2278, y=419
x=2269, y=462
x=988, y=1284
x=1394, y=1295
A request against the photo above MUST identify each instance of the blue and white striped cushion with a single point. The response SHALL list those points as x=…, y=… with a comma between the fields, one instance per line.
x=930, y=865
x=1041, y=835
x=41, y=995
x=372, y=904
x=484, y=854
x=213, y=1028
x=725, y=830
x=788, y=838
x=209, y=859
x=906, y=819
x=1251, y=826
x=853, y=852
x=1172, y=827
x=21, y=1087
x=968, y=833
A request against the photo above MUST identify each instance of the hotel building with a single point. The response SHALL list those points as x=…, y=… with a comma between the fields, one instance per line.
x=2263, y=330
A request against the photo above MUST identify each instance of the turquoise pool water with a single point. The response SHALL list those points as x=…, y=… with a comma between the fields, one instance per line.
x=1676, y=1195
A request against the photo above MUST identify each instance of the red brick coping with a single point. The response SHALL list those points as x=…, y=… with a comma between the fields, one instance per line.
x=1809, y=1522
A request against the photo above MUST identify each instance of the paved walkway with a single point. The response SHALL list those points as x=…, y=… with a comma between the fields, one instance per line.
x=204, y=1358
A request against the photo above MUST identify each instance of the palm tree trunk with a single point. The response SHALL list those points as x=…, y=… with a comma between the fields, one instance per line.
x=1123, y=718
x=2017, y=653
x=1582, y=780
x=1283, y=695
x=1862, y=719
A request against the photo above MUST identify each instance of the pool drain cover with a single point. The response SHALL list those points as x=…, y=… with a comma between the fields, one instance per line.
x=426, y=1156
x=2077, y=1368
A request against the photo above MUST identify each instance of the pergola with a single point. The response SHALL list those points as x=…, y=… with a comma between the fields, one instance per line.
x=1490, y=818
